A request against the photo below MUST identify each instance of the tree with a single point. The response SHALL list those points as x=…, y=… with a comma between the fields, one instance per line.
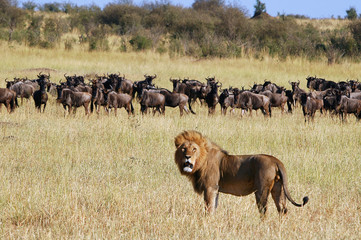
x=208, y=5
x=259, y=8
x=10, y=16
x=351, y=13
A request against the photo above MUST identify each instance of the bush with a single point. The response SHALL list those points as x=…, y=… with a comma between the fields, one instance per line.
x=140, y=43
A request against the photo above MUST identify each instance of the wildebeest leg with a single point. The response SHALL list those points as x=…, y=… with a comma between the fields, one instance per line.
x=44, y=107
x=86, y=106
x=190, y=107
x=185, y=108
x=128, y=109
x=279, y=197
x=250, y=111
x=7, y=106
x=115, y=111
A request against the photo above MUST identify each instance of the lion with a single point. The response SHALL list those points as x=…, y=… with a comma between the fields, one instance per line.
x=212, y=170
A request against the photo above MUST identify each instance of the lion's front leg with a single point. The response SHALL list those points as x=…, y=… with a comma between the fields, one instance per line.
x=211, y=198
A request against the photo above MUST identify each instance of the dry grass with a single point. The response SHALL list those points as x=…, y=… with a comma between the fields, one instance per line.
x=108, y=177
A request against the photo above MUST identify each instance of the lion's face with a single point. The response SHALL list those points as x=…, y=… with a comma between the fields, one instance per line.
x=187, y=155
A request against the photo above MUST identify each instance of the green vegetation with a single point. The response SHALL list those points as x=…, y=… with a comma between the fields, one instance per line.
x=210, y=28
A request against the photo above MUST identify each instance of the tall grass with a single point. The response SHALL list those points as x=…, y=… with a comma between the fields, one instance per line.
x=115, y=177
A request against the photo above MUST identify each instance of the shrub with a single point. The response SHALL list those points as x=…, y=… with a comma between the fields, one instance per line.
x=140, y=43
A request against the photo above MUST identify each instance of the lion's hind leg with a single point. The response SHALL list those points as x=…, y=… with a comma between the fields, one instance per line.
x=279, y=197
x=262, y=197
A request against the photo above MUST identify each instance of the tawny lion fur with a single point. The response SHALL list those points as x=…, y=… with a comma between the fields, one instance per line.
x=212, y=170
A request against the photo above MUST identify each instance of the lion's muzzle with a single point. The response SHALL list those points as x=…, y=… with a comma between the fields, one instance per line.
x=188, y=166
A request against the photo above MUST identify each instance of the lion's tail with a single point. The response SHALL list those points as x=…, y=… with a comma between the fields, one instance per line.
x=285, y=187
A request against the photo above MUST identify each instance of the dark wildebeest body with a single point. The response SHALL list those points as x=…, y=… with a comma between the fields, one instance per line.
x=289, y=95
x=297, y=91
x=173, y=99
x=212, y=97
x=40, y=96
x=147, y=83
x=191, y=88
x=8, y=98
x=120, y=100
x=272, y=87
x=330, y=103
x=310, y=105
x=99, y=98
x=154, y=100
x=347, y=105
x=355, y=95
x=257, y=88
x=226, y=100
x=21, y=89
x=276, y=99
x=251, y=101
x=74, y=100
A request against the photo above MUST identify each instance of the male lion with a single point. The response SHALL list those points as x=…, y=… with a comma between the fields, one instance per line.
x=212, y=170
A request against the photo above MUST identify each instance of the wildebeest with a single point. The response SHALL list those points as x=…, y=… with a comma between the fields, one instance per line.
x=120, y=100
x=355, y=95
x=251, y=101
x=297, y=91
x=256, y=88
x=21, y=89
x=272, y=87
x=8, y=98
x=99, y=97
x=289, y=95
x=212, y=97
x=330, y=103
x=226, y=99
x=138, y=86
x=40, y=96
x=121, y=84
x=173, y=99
x=276, y=99
x=310, y=105
x=191, y=89
x=320, y=84
x=73, y=100
x=347, y=105
x=152, y=99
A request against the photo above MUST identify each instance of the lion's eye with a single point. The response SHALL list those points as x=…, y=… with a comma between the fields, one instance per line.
x=183, y=149
x=194, y=149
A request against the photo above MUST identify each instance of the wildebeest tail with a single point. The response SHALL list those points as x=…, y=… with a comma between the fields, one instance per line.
x=283, y=174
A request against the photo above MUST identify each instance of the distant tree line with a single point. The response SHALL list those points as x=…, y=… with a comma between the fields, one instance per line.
x=210, y=28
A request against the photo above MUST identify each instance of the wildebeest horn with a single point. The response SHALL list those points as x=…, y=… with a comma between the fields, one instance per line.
x=65, y=75
x=60, y=81
x=6, y=80
x=298, y=81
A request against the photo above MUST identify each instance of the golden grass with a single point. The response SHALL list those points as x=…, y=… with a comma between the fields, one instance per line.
x=115, y=177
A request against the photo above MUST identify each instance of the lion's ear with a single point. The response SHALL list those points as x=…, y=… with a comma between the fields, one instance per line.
x=179, y=140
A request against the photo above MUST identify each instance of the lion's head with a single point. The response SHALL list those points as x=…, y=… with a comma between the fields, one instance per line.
x=192, y=149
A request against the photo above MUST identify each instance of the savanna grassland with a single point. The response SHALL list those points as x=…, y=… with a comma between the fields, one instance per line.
x=115, y=178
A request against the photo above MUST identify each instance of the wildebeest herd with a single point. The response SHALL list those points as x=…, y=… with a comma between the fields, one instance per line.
x=113, y=91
